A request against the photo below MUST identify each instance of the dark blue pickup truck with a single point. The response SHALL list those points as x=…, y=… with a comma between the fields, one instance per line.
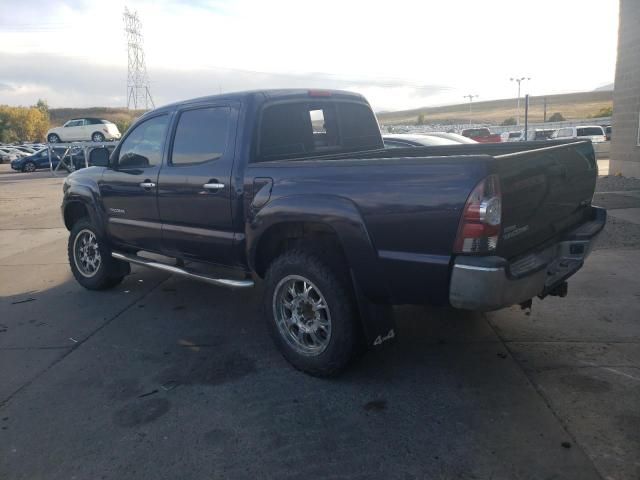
x=295, y=188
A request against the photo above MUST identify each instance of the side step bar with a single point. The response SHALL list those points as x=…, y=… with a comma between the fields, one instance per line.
x=221, y=282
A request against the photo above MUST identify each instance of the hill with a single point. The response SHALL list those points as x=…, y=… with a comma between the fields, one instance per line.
x=571, y=105
x=120, y=116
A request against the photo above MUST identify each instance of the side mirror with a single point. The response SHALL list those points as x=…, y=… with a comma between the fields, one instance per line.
x=99, y=157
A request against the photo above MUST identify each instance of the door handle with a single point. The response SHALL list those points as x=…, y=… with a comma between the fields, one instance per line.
x=213, y=186
x=147, y=185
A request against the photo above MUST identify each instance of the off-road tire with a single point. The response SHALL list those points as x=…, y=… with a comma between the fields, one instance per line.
x=110, y=271
x=334, y=284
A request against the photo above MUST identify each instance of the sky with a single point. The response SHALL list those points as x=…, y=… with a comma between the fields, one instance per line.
x=400, y=54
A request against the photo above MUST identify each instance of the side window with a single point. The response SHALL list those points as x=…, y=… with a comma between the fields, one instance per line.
x=358, y=126
x=201, y=135
x=143, y=146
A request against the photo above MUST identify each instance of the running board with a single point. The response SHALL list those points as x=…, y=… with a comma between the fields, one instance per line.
x=221, y=282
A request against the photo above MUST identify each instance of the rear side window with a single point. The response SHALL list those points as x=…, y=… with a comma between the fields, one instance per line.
x=201, y=135
x=589, y=131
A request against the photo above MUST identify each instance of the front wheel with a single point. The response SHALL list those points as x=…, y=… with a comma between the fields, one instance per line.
x=90, y=258
x=311, y=313
x=53, y=138
x=29, y=167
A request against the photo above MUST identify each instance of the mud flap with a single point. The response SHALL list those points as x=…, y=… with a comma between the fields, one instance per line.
x=378, y=323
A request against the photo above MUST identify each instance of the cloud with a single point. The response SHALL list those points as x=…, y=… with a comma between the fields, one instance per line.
x=75, y=82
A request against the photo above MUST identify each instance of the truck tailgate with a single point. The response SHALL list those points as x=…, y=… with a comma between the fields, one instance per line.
x=545, y=192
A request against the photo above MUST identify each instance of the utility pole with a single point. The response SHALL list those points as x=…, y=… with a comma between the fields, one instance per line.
x=544, y=115
x=138, y=90
x=519, y=80
x=470, y=97
x=526, y=117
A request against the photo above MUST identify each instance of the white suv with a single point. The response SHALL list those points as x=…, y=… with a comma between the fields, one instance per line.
x=84, y=129
x=595, y=133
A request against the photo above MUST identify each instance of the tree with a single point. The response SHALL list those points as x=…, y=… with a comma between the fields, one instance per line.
x=509, y=121
x=556, y=117
x=421, y=119
x=22, y=124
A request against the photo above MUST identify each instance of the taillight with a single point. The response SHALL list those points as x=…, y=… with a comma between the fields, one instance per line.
x=480, y=224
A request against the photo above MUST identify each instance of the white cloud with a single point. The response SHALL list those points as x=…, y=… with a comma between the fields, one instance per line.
x=398, y=54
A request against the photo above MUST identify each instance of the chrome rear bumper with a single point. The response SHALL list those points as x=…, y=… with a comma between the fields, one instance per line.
x=491, y=283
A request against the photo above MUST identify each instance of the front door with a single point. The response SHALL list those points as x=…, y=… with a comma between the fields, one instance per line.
x=129, y=186
x=194, y=193
x=72, y=130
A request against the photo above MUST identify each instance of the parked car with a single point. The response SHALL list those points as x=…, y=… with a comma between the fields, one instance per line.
x=481, y=135
x=595, y=133
x=40, y=159
x=400, y=140
x=517, y=136
x=451, y=136
x=337, y=226
x=8, y=153
x=540, y=134
x=84, y=129
x=607, y=132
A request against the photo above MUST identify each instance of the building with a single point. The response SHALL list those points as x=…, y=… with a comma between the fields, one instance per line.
x=625, y=142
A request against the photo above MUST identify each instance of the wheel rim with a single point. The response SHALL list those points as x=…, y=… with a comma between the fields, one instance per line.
x=53, y=139
x=29, y=167
x=302, y=315
x=97, y=137
x=86, y=253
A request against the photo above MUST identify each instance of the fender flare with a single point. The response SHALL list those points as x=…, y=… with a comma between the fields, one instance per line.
x=338, y=213
x=88, y=196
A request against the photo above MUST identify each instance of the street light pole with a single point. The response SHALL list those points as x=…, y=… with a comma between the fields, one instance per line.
x=519, y=80
x=470, y=97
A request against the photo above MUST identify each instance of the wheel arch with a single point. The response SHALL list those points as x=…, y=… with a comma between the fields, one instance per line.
x=80, y=202
x=336, y=221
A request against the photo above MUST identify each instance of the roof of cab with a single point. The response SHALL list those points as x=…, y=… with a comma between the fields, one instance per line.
x=267, y=94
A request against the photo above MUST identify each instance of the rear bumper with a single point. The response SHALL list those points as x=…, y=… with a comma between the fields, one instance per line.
x=491, y=283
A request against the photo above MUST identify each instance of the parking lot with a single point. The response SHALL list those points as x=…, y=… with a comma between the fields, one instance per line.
x=163, y=377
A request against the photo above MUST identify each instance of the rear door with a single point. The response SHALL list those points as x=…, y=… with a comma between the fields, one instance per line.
x=129, y=186
x=194, y=195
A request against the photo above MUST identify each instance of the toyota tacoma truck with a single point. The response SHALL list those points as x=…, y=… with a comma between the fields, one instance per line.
x=294, y=188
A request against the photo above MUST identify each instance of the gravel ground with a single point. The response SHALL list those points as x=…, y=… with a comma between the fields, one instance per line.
x=614, y=184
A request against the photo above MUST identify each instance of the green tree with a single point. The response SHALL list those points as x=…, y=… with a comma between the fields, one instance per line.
x=556, y=117
x=509, y=121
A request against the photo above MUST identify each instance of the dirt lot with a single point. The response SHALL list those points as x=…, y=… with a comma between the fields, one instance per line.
x=166, y=378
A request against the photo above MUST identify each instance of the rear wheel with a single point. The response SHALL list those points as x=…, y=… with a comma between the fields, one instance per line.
x=311, y=313
x=90, y=258
x=53, y=138
x=29, y=167
x=97, y=137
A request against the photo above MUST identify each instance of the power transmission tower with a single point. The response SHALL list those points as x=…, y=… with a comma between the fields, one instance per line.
x=138, y=92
